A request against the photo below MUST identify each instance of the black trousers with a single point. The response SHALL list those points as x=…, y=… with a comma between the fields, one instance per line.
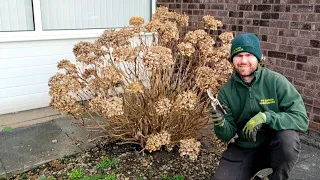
x=280, y=153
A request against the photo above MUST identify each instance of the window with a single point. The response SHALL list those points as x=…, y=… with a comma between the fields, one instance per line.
x=91, y=14
x=23, y=20
x=16, y=15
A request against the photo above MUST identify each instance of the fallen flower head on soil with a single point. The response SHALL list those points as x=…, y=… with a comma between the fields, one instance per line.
x=146, y=90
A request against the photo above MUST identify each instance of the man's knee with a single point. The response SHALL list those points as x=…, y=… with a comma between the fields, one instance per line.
x=287, y=144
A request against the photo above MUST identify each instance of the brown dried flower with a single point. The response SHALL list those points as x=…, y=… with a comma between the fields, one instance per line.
x=211, y=23
x=134, y=87
x=186, y=49
x=113, y=38
x=205, y=77
x=226, y=37
x=136, y=21
x=88, y=53
x=67, y=66
x=190, y=148
x=158, y=57
x=107, y=107
x=195, y=36
x=112, y=75
x=156, y=141
x=186, y=101
x=163, y=106
x=125, y=53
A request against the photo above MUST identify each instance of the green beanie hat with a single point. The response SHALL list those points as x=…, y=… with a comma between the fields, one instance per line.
x=246, y=42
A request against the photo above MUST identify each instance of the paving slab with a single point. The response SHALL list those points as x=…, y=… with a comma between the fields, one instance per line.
x=307, y=152
x=28, y=147
x=77, y=132
x=307, y=169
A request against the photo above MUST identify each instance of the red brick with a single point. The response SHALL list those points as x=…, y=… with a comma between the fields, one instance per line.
x=294, y=1
x=251, y=29
x=302, y=8
x=287, y=64
x=279, y=24
x=299, y=41
x=311, y=92
x=255, y=15
x=308, y=108
x=316, y=110
x=269, y=46
x=304, y=83
x=285, y=48
x=307, y=100
x=314, y=126
x=269, y=31
x=316, y=103
x=308, y=17
x=311, y=52
x=316, y=118
x=313, y=77
x=307, y=68
x=294, y=73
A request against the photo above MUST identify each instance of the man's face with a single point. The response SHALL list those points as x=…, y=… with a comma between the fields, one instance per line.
x=245, y=64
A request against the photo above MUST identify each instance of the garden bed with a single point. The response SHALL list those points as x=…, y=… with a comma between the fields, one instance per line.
x=112, y=161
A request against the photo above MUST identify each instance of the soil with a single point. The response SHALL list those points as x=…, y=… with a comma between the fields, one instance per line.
x=134, y=164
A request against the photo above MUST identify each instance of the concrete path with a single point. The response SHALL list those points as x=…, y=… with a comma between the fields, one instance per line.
x=28, y=147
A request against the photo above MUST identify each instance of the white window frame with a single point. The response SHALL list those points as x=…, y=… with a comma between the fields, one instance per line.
x=39, y=34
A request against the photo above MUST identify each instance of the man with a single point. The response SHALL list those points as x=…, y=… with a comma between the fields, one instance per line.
x=265, y=110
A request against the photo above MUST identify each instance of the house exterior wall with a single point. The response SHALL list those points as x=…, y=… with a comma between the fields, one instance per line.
x=29, y=56
x=25, y=68
x=289, y=31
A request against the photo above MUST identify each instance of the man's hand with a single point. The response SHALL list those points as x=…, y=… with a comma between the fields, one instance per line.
x=217, y=117
x=253, y=125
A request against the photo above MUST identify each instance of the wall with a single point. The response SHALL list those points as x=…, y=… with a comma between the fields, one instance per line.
x=289, y=31
x=25, y=68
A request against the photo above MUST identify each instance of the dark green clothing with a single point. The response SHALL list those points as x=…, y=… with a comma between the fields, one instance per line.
x=270, y=93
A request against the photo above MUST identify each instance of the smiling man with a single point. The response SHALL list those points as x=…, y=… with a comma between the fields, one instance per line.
x=265, y=110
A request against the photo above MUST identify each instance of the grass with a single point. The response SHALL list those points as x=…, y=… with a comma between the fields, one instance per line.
x=107, y=163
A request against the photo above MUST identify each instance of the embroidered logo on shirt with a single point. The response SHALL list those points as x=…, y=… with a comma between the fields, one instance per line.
x=267, y=101
x=237, y=49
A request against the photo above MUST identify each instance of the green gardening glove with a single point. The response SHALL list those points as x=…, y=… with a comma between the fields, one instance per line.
x=253, y=125
x=217, y=117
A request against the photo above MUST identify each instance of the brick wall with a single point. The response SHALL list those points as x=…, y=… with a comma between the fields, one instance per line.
x=289, y=31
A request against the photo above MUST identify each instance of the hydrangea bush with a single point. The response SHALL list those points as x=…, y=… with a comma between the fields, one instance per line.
x=146, y=82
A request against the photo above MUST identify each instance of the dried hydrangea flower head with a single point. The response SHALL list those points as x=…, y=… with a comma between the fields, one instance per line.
x=186, y=101
x=163, y=106
x=134, y=87
x=206, y=78
x=226, y=37
x=186, y=49
x=162, y=14
x=87, y=52
x=211, y=23
x=67, y=66
x=156, y=141
x=107, y=107
x=190, y=148
x=137, y=23
x=158, y=57
x=115, y=38
x=63, y=90
x=195, y=36
x=125, y=53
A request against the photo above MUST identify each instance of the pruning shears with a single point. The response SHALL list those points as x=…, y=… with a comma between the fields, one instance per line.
x=214, y=103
